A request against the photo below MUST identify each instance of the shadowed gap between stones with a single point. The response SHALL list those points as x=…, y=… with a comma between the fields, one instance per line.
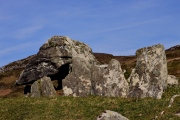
x=56, y=79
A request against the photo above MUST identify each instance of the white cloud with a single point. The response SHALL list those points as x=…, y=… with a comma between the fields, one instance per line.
x=130, y=25
x=22, y=33
x=17, y=48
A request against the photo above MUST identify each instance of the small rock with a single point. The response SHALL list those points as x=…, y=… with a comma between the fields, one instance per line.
x=111, y=115
x=177, y=114
x=172, y=80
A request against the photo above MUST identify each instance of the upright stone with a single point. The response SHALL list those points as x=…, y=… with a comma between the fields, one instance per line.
x=149, y=78
x=108, y=80
x=43, y=87
x=78, y=82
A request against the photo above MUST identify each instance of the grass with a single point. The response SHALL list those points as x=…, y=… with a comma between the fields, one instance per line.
x=88, y=108
x=16, y=107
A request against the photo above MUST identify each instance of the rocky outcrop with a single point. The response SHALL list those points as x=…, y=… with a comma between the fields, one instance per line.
x=43, y=87
x=108, y=80
x=149, y=78
x=172, y=80
x=111, y=115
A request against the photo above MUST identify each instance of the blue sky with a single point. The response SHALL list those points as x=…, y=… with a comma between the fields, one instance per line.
x=119, y=27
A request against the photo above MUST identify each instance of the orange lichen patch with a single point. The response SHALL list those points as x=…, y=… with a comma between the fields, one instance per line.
x=5, y=92
x=8, y=80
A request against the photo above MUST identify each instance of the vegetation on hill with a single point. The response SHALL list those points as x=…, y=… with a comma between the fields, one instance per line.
x=173, y=60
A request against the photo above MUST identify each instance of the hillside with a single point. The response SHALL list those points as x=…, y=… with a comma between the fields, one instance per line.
x=173, y=60
x=11, y=72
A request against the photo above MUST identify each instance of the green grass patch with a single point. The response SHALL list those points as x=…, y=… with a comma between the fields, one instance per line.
x=88, y=108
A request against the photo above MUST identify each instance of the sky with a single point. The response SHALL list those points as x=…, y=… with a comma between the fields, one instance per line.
x=118, y=27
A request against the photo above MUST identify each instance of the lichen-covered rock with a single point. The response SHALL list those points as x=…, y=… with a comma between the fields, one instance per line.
x=108, y=80
x=149, y=78
x=78, y=82
x=56, y=52
x=43, y=87
x=172, y=80
x=64, y=60
x=111, y=115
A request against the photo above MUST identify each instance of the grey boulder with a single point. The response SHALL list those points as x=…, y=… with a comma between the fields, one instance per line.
x=111, y=115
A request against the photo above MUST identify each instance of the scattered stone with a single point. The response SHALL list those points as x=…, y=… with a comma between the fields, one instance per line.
x=108, y=80
x=111, y=115
x=172, y=80
x=162, y=112
x=149, y=78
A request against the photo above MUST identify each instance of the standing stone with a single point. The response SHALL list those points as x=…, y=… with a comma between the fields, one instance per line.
x=149, y=78
x=78, y=82
x=108, y=80
x=43, y=87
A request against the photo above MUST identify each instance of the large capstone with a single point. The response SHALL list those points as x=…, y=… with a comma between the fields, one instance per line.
x=56, y=52
x=149, y=78
x=66, y=61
